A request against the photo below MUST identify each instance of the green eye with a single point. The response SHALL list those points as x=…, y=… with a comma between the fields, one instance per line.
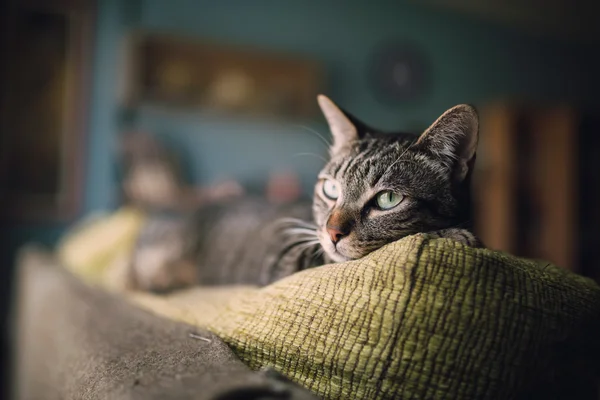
x=387, y=200
x=331, y=189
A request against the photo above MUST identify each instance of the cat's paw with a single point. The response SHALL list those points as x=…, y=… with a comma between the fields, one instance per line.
x=460, y=235
x=162, y=277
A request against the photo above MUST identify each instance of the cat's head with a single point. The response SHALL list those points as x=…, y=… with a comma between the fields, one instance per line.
x=379, y=187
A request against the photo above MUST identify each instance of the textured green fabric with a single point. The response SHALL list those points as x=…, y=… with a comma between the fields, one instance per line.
x=420, y=318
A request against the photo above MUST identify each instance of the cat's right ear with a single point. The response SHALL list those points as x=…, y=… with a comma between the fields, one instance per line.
x=453, y=139
x=342, y=129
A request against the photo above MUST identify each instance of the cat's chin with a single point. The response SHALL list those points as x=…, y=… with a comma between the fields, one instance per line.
x=333, y=254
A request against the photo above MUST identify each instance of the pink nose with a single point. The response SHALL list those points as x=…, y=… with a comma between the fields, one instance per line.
x=335, y=234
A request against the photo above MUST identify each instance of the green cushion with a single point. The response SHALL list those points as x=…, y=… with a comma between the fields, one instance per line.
x=419, y=318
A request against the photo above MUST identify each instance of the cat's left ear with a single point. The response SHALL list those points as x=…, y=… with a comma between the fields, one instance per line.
x=343, y=130
x=453, y=139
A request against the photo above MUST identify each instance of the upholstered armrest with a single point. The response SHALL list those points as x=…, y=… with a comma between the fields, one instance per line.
x=73, y=341
x=420, y=318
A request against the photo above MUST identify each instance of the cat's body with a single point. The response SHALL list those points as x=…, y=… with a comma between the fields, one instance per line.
x=260, y=246
x=376, y=188
x=239, y=241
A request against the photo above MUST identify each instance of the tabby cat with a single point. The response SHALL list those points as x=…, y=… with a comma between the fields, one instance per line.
x=376, y=188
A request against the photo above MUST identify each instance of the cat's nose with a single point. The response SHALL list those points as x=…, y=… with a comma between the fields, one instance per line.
x=335, y=233
x=339, y=224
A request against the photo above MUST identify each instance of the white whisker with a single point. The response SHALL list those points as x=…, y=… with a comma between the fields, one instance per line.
x=295, y=241
x=301, y=236
x=310, y=154
x=295, y=222
x=306, y=246
x=309, y=129
x=397, y=160
x=305, y=231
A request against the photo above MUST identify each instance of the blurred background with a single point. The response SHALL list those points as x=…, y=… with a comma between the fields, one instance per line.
x=229, y=88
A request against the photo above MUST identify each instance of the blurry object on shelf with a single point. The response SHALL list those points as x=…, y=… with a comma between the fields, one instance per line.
x=194, y=75
x=43, y=108
x=528, y=193
x=153, y=181
x=283, y=187
x=232, y=89
x=399, y=72
x=176, y=80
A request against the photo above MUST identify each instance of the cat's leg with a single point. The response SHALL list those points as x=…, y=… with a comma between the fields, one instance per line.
x=160, y=274
x=463, y=236
x=161, y=260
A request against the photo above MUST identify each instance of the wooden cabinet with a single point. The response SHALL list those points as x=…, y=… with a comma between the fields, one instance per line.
x=535, y=189
x=44, y=81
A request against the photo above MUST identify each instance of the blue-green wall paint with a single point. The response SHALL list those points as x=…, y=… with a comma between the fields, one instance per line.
x=103, y=123
x=470, y=62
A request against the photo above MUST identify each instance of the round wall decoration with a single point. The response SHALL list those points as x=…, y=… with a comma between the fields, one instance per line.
x=398, y=72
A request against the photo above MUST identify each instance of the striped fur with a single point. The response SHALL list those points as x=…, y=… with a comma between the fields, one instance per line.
x=431, y=172
x=251, y=242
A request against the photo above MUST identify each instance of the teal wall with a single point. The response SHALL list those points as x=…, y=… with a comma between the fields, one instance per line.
x=470, y=61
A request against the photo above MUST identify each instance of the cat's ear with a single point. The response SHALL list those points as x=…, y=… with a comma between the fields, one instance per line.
x=342, y=128
x=453, y=139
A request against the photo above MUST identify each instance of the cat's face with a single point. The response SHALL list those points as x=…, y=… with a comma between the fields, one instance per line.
x=378, y=188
